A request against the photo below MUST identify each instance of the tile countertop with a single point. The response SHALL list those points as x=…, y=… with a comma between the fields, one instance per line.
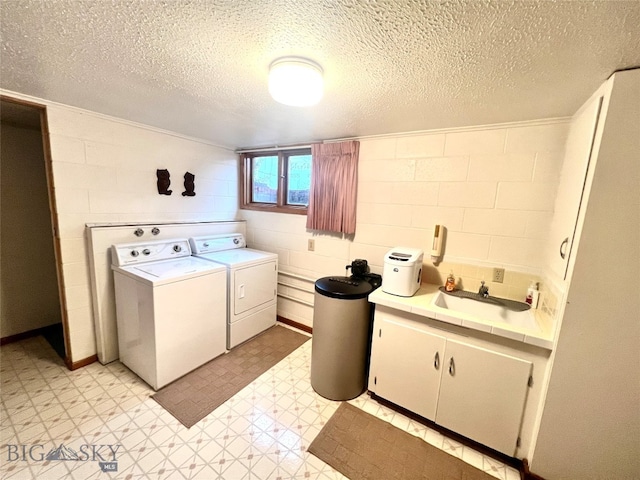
x=421, y=303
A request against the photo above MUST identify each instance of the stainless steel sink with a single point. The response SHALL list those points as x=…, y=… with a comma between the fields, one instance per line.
x=486, y=309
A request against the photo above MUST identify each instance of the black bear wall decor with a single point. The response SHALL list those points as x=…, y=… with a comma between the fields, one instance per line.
x=189, y=185
x=163, y=182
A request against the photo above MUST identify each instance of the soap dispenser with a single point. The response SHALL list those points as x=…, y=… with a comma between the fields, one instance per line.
x=450, y=284
x=533, y=295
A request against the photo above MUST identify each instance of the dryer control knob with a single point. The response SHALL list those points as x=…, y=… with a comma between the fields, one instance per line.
x=205, y=244
x=134, y=253
x=177, y=248
x=146, y=251
x=236, y=241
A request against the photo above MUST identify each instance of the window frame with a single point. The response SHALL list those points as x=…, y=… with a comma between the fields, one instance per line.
x=246, y=181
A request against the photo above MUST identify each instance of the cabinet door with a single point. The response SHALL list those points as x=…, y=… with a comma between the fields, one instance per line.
x=409, y=362
x=482, y=395
x=571, y=186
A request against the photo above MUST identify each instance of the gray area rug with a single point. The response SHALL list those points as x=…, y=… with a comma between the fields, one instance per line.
x=194, y=396
x=363, y=447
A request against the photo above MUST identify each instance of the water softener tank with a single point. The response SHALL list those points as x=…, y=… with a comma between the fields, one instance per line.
x=341, y=336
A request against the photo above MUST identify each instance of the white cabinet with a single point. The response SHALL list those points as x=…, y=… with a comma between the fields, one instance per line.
x=578, y=150
x=471, y=390
x=482, y=395
x=408, y=373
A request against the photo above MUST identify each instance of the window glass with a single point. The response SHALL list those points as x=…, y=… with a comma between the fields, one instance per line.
x=264, y=185
x=298, y=179
x=276, y=180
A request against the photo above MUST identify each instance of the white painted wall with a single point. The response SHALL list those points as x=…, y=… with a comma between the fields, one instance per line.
x=28, y=283
x=492, y=187
x=104, y=170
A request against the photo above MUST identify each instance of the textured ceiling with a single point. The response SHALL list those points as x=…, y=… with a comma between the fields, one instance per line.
x=200, y=67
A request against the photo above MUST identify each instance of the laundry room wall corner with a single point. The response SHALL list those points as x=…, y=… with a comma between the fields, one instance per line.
x=104, y=171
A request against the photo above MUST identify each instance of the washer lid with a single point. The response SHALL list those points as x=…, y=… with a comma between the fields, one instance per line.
x=171, y=269
x=346, y=288
x=167, y=271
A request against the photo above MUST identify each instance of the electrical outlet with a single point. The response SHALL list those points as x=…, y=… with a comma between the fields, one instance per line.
x=311, y=244
x=498, y=275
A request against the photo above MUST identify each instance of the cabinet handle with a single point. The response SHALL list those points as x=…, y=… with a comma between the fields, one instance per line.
x=436, y=361
x=563, y=248
x=452, y=367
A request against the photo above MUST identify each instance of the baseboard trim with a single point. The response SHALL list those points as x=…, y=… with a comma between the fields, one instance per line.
x=291, y=323
x=80, y=363
x=21, y=336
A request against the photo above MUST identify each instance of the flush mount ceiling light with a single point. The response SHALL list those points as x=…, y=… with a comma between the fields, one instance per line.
x=295, y=81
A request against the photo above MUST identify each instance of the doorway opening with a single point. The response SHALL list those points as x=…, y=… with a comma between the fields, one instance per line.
x=30, y=299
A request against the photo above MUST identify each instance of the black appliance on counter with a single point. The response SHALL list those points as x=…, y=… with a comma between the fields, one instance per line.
x=360, y=270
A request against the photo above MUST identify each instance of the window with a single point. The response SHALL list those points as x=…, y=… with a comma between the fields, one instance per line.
x=276, y=181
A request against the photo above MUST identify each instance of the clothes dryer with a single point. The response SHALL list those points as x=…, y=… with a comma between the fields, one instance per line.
x=252, y=278
x=171, y=309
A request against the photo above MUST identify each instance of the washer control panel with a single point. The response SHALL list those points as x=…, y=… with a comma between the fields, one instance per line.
x=134, y=253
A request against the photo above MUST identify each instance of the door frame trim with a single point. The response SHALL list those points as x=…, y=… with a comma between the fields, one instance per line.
x=46, y=147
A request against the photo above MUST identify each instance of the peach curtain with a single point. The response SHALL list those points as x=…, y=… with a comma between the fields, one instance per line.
x=334, y=179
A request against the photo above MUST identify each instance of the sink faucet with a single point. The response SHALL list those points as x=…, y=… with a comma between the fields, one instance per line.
x=484, y=291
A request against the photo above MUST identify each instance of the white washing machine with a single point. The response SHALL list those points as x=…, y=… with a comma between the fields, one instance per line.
x=252, y=278
x=171, y=309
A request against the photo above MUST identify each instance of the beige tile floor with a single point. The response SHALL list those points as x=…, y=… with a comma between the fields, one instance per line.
x=261, y=433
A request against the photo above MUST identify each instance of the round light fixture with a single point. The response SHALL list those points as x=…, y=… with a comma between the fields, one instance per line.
x=295, y=81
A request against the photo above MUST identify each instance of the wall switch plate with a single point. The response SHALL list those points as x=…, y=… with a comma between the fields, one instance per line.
x=311, y=244
x=498, y=275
